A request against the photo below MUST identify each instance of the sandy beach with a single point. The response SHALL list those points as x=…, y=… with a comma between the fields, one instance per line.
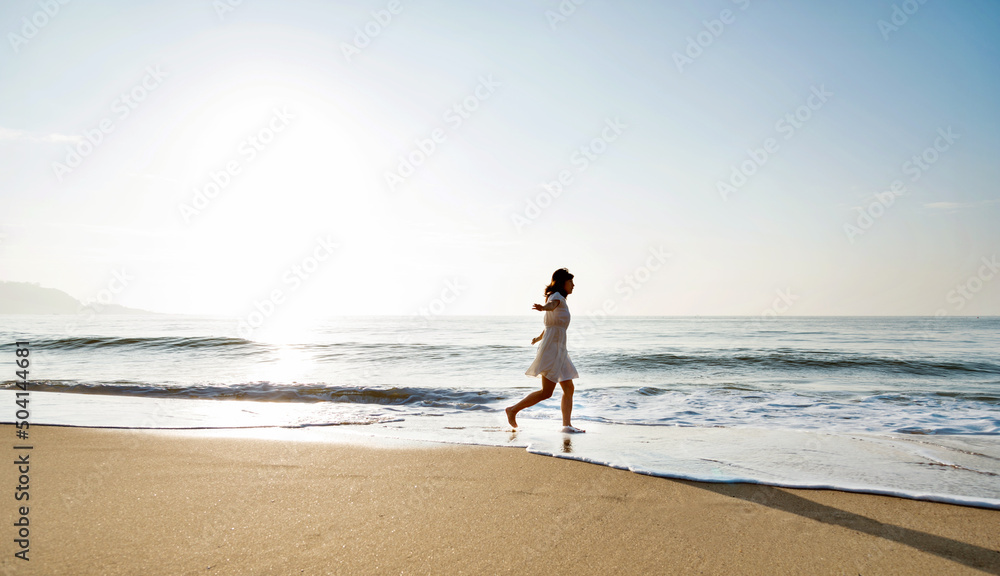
x=139, y=502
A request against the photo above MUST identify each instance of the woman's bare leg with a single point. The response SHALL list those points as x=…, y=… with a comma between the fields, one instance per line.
x=567, y=401
x=548, y=386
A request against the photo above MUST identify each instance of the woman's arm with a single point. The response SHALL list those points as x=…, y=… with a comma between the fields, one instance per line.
x=533, y=340
x=551, y=305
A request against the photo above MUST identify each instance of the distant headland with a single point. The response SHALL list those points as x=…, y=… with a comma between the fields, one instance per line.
x=31, y=298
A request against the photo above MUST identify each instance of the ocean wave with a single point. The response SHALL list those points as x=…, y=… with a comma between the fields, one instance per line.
x=786, y=360
x=320, y=351
x=781, y=359
x=82, y=343
x=268, y=392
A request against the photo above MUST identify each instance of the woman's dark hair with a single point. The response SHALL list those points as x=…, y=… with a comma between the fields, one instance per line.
x=558, y=284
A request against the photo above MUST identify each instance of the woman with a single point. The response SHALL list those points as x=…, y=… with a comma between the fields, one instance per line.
x=552, y=361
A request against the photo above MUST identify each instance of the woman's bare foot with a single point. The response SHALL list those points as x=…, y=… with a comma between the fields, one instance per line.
x=573, y=430
x=511, y=416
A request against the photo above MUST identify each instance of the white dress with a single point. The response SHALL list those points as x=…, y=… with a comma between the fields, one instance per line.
x=552, y=359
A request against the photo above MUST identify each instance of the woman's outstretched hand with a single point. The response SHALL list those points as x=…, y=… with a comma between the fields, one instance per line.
x=538, y=307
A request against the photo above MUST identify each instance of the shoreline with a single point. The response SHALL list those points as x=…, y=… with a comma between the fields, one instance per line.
x=335, y=434
x=113, y=501
x=951, y=469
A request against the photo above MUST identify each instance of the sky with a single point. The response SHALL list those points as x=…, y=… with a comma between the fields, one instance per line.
x=299, y=158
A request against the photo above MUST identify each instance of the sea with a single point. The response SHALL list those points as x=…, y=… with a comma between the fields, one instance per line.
x=903, y=406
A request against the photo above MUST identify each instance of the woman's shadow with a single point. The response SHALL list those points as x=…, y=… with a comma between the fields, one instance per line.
x=971, y=555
